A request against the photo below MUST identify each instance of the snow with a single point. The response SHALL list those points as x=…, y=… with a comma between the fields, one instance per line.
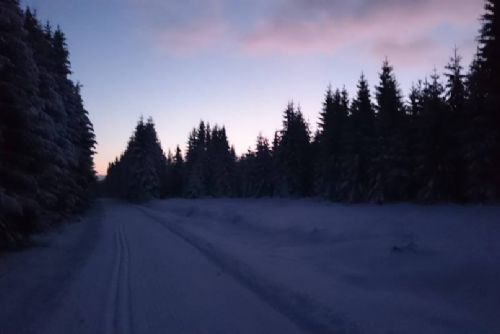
x=259, y=266
x=380, y=269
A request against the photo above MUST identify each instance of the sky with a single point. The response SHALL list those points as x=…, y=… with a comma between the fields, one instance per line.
x=239, y=62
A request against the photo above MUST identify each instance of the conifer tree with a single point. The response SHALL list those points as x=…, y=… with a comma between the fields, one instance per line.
x=455, y=125
x=389, y=105
x=435, y=170
x=455, y=86
x=442, y=145
x=415, y=97
x=330, y=141
x=256, y=170
x=391, y=166
x=489, y=52
x=293, y=154
x=354, y=184
x=483, y=154
x=46, y=137
x=176, y=175
x=197, y=163
x=245, y=174
x=20, y=142
x=263, y=168
x=138, y=175
x=222, y=164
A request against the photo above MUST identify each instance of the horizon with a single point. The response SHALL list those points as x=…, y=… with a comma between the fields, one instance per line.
x=182, y=62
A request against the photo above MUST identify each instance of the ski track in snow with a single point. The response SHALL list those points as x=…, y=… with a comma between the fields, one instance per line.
x=137, y=277
x=267, y=266
x=119, y=302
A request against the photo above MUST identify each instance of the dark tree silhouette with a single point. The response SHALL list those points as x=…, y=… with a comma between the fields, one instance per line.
x=456, y=125
x=483, y=154
x=210, y=163
x=256, y=171
x=139, y=173
x=391, y=164
x=442, y=146
x=355, y=183
x=330, y=137
x=292, y=152
x=46, y=138
x=434, y=169
x=175, y=174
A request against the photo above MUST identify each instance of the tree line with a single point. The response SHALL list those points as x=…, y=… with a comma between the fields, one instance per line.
x=441, y=144
x=46, y=138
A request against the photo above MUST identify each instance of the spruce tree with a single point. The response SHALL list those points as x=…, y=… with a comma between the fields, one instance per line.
x=46, y=138
x=389, y=105
x=489, y=52
x=263, y=168
x=391, y=176
x=20, y=143
x=245, y=174
x=456, y=125
x=329, y=138
x=197, y=163
x=140, y=172
x=294, y=155
x=455, y=86
x=415, y=97
x=222, y=163
x=483, y=154
x=435, y=171
x=354, y=184
x=256, y=172
x=176, y=174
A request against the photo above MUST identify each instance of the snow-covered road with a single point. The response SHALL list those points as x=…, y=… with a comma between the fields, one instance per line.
x=137, y=277
x=259, y=266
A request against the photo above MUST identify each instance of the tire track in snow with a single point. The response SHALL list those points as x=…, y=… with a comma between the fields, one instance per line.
x=306, y=313
x=119, y=318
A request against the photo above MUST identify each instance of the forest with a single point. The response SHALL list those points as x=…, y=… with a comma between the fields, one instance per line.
x=438, y=144
x=46, y=138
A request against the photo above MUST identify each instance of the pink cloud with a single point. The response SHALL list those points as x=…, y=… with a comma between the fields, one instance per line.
x=397, y=28
x=320, y=29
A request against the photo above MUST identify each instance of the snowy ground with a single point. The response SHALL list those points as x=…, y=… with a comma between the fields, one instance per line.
x=259, y=266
